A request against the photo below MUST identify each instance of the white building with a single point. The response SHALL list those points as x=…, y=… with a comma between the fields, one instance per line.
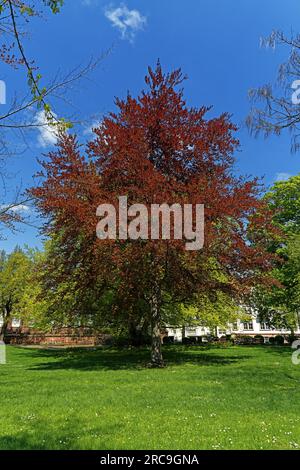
x=249, y=328
x=15, y=323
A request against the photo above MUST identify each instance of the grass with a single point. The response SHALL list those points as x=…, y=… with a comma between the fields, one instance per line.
x=207, y=398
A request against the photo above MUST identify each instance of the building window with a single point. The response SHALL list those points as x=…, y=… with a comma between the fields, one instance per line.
x=264, y=326
x=248, y=325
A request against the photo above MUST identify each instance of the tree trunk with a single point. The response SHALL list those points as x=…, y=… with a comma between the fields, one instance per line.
x=4, y=328
x=183, y=334
x=296, y=327
x=6, y=317
x=156, y=353
x=292, y=331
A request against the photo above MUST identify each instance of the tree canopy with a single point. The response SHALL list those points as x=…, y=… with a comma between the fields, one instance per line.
x=15, y=271
x=279, y=306
x=155, y=149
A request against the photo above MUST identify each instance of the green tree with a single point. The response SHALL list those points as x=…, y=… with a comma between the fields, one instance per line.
x=279, y=305
x=15, y=271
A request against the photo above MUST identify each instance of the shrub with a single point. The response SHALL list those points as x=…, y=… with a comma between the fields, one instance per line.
x=279, y=340
x=189, y=340
x=259, y=339
x=223, y=339
x=168, y=340
x=241, y=339
x=292, y=338
x=222, y=344
x=248, y=340
x=123, y=340
x=212, y=339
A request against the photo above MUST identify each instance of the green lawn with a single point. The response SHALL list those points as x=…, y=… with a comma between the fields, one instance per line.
x=207, y=398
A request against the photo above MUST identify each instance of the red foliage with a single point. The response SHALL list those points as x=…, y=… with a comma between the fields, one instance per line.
x=155, y=149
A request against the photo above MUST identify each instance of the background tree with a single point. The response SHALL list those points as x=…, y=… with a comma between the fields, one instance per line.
x=40, y=94
x=280, y=105
x=51, y=300
x=279, y=306
x=155, y=149
x=15, y=271
x=284, y=202
x=211, y=310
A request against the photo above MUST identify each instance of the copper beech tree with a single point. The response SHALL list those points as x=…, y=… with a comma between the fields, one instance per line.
x=155, y=149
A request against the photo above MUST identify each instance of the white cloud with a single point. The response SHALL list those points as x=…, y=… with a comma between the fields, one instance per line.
x=89, y=129
x=20, y=208
x=47, y=133
x=128, y=22
x=282, y=176
x=16, y=208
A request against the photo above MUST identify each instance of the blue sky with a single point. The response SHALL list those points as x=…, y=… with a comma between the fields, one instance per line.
x=216, y=42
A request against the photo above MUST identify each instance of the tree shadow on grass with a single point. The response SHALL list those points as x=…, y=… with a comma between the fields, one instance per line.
x=135, y=359
x=284, y=350
x=41, y=437
x=202, y=358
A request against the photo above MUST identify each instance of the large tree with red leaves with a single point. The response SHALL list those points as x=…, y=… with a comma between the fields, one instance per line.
x=154, y=150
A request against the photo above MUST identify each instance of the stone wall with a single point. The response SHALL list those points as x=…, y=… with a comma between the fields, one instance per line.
x=58, y=337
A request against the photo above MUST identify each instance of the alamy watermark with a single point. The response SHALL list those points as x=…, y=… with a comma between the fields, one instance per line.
x=2, y=92
x=296, y=353
x=296, y=95
x=2, y=353
x=162, y=222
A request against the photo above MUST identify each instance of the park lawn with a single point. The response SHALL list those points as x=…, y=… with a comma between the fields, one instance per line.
x=237, y=397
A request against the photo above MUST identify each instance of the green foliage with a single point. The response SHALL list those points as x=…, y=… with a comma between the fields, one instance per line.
x=279, y=305
x=204, y=310
x=52, y=299
x=21, y=294
x=218, y=311
x=55, y=5
x=284, y=201
x=15, y=270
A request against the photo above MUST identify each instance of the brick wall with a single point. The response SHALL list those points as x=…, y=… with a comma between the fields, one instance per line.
x=59, y=337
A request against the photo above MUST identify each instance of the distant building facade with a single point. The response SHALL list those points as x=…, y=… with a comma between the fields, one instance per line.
x=18, y=334
x=250, y=328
